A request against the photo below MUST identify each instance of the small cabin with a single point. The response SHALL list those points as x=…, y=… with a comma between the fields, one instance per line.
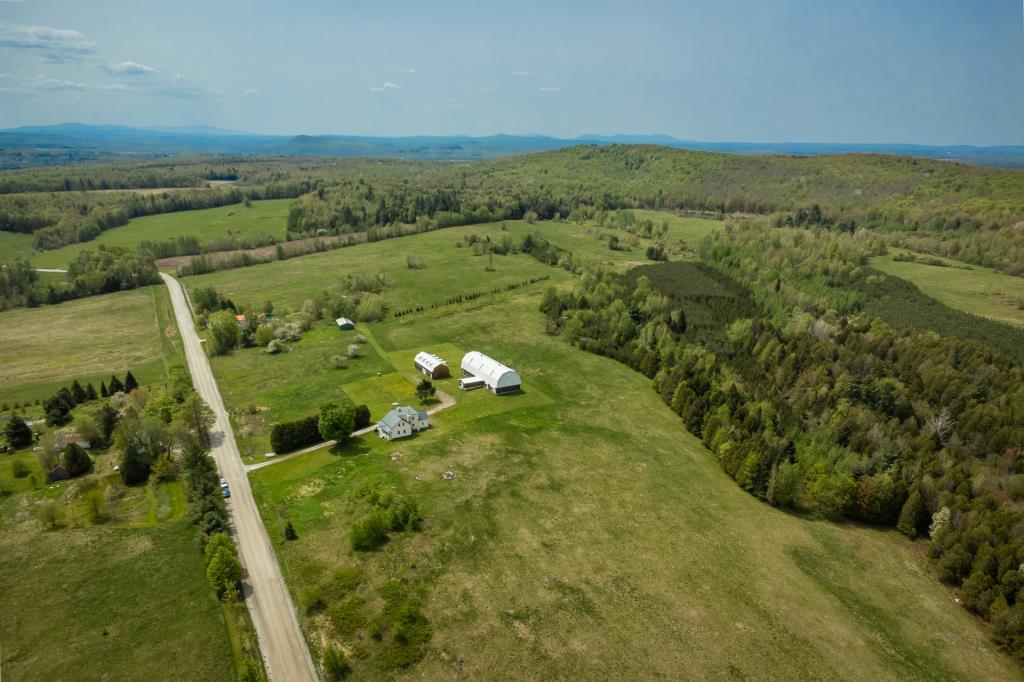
x=345, y=324
x=431, y=365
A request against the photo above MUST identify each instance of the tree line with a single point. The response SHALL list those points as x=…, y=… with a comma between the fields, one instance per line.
x=834, y=413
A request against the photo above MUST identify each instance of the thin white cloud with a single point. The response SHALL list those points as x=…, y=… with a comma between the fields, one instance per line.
x=549, y=88
x=53, y=44
x=249, y=92
x=523, y=74
x=383, y=87
x=47, y=84
x=409, y=71
x=130, y=69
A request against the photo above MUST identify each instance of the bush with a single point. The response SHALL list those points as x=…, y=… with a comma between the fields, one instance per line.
x=339, y=362
x=335, y=664
x=264, y=335
x=294, y=435
x=19, y=469
x=274, y=347
x=362, y=416
x=369, y=532
x=289, y=532
x=76, y=460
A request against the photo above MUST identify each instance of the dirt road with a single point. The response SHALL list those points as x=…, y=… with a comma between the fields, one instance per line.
x=281, y=641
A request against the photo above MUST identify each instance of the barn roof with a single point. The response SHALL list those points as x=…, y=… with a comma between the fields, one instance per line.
x=344, y=321
x=487, y=368
x=429, y=361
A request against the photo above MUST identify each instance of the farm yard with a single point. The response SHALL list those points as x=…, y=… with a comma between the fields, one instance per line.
x=534, y=504
x=526, y=552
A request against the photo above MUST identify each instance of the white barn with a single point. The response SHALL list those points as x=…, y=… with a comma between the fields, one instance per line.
x=402, y=422
x=497, y=377
x=345, y=323
x=431, y=365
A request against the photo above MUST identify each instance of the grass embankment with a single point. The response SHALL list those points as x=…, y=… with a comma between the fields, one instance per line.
x=970, y=288
x=42, y=349
x=586, y=534
x=263, y=217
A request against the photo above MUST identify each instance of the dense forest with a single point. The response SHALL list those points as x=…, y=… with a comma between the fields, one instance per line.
x=769, y=352
x=973, y=213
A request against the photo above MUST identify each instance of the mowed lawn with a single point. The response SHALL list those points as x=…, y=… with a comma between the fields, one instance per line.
x=587, y=535
x=262, y=218
x=108, y=603
x=87, y=339
x=977, y=290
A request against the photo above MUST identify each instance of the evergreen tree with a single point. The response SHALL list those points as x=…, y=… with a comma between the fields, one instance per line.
x=90, y=392
x=17, y=432
x=76, y=460
x=104, y=393
x=106, y=420
x=134, y=468
x=57, y=411
x=130, y=384
x=115, y=385
x=77, y=392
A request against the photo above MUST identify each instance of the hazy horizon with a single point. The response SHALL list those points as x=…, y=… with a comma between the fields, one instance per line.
x=929, y=73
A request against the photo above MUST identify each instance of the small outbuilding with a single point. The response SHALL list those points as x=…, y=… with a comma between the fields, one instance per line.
x=402, y=422
x=344, y=323
x=497, y=377
x=431, y=365
x=59, y=473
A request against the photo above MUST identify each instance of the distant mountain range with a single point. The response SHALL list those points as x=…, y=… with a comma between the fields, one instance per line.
x=70, y=142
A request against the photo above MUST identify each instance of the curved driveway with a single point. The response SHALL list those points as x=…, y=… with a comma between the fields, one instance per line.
x=281, y=641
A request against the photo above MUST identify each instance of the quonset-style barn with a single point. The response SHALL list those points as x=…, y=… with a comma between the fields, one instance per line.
x=497, y=377
x=345, y=323
x=431, y=365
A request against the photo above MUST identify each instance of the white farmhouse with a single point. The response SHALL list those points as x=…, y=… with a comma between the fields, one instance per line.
x=497, y=377
x=402, y=422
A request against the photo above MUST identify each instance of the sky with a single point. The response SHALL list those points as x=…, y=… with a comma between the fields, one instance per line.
x=909, y=71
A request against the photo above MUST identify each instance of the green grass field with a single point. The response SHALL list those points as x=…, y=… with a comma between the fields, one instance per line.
x=108, y=603
x=42, y=349
x=449, y=270
x=264, y=217
x=586, y=534
x=978, y=290
x=14, y=245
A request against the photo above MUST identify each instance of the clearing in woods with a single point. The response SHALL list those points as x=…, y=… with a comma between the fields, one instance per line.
x=209, y=224
x=970, y=288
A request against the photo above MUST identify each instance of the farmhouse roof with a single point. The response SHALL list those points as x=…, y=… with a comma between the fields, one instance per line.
x=398, y=415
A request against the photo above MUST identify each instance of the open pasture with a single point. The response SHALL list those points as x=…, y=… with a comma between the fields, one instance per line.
x=42, y=349
x=588, y=535
x=262, y=218
x=973, y=289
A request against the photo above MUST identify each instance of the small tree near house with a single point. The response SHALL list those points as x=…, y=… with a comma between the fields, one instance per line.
x=425, y=389
x=17, y=432
x=76, y=460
